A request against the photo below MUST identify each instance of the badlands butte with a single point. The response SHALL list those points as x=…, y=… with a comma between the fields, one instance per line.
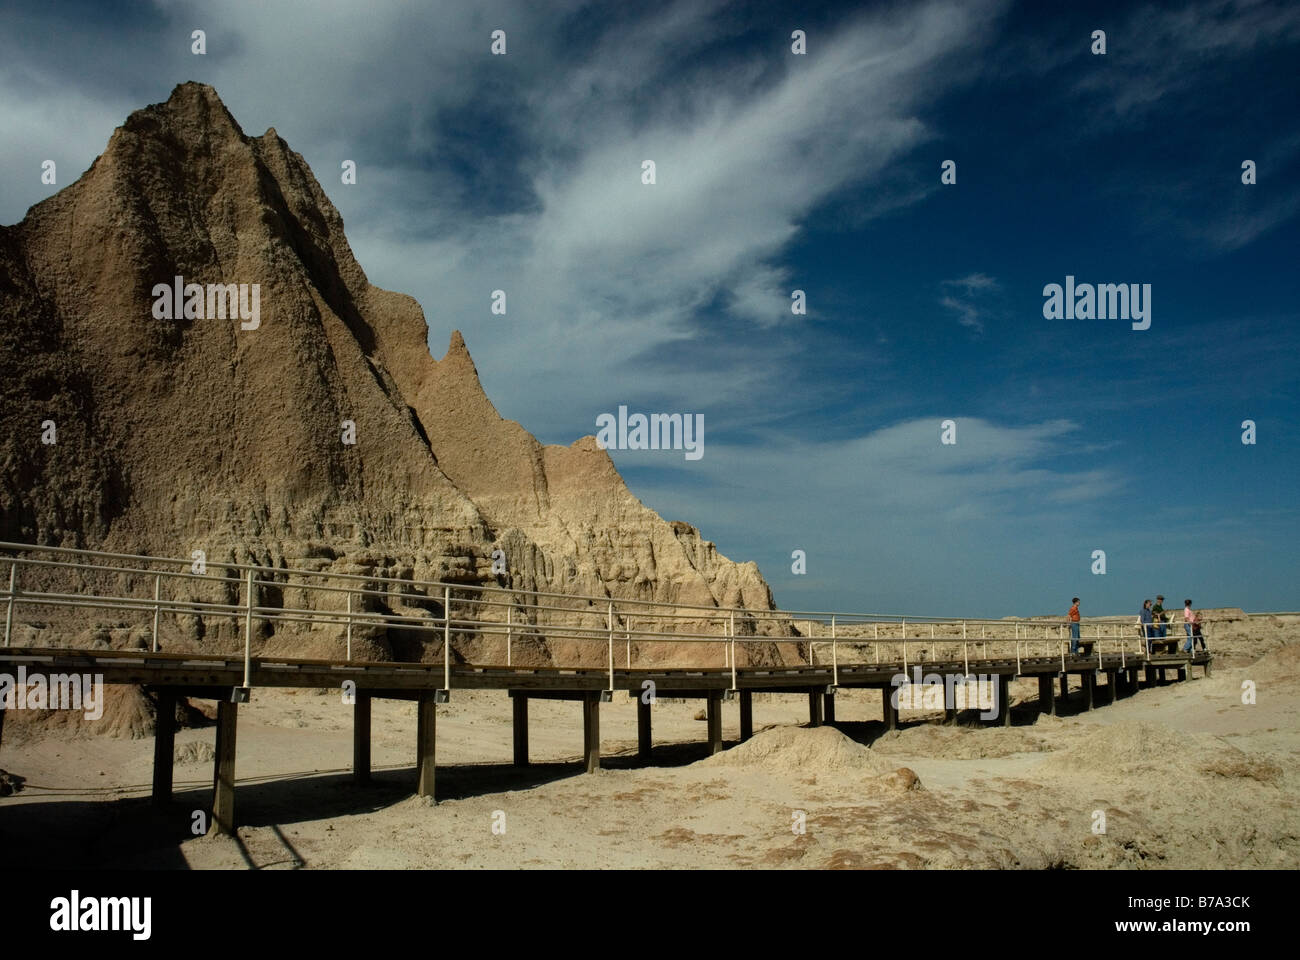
x=182, y=434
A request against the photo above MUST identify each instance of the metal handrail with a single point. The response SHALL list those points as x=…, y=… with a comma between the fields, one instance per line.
x=864, y=618
x=494, y=627
x=612, y=612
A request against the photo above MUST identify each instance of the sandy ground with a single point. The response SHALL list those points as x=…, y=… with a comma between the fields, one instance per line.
x=1185, y=775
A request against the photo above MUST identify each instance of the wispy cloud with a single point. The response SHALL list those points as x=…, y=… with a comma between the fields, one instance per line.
x=973, y=282
x=1220, y=67
x=747, y=142
x=1167, y=51
x=991, y=469
x=894, y=511
x=967, y=290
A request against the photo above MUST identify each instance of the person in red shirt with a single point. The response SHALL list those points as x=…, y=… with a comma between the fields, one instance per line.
x=1073, y=616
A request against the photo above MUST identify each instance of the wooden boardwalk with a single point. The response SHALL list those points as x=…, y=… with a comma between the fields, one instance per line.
x=867, y=651
x=229, y=679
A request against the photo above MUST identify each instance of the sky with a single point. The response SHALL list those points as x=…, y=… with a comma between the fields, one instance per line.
x=820, y=171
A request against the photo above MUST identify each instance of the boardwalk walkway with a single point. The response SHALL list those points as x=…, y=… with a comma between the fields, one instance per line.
x=864, y=651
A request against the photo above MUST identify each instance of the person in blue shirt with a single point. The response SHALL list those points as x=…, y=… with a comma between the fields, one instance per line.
x=1145, y=618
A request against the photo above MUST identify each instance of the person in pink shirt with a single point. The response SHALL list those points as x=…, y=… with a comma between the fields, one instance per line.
x=1192, y=623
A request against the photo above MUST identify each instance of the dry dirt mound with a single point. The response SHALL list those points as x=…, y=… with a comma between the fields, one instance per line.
x=196, y=751
x=958, y=742
x=1126, y=748
x=128, y=712
x=813, y=750
x=1282, y=663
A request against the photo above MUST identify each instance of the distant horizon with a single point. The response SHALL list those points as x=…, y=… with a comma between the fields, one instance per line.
x=937, y=429
x=923, y=618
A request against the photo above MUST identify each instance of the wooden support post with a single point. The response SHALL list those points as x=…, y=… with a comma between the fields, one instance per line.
x=216, y=747
x=164, y=747
x=1065, y=688
x=223, y=785
x=1089, y=690
x=1182, y=674
x=815, y=709
x=1004, y=700
x=746, y=714
x=361, y=738
x=520, y=710
x=887, y=707
x=1209, y=667
x=591, y=731
x=828, y=706
x=1150, y=679
x=1046, y=694
x=426, y=743
x=1112, y=679
x=644, y=730
x=1132, y=680
x=714, y=716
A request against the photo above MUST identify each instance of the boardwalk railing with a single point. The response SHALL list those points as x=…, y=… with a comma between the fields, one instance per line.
x=60, y=579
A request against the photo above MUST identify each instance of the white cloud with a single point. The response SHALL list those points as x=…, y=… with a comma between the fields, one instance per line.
x=972, y=286
x=895, y=510
x=605, y=276
x=967, y=314
x=974, y=281
x=992, y=469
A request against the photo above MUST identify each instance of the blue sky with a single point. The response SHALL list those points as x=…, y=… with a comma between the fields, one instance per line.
x=818, y=172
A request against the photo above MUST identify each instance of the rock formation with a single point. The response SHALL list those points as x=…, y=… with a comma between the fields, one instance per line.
x=192, y=433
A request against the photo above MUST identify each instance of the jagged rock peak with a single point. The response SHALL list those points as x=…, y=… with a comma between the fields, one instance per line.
x=458, y=353
x=429, y=479
x=191, y=103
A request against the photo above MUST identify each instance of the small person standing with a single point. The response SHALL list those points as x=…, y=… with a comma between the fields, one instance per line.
x=1189, y=618
x=1197, y=635
x=1145, y=619
x=1073, y=616
x=1158, y=615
